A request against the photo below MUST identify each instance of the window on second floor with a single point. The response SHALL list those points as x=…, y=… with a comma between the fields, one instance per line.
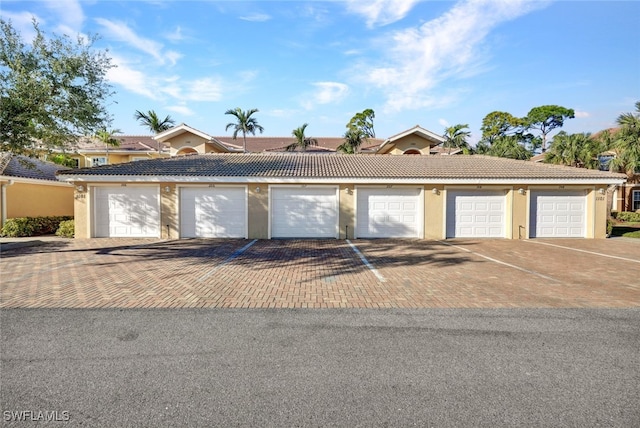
x=98, y=161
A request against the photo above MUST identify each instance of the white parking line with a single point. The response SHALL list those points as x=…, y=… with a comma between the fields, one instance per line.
x=366, y=263
x=532, y=272
x=584, y=251
x=231, y=257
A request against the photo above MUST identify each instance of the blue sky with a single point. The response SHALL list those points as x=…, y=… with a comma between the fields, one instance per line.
x=432, y=63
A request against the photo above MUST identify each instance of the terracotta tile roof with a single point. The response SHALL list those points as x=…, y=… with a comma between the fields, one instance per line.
x=127, y=143
x=297, y=165
x=263, y=144
x=25, y=167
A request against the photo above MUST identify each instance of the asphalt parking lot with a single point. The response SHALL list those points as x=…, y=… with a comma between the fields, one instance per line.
x=234, y=273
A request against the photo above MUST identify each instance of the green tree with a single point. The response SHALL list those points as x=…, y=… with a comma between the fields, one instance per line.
x=52, y=91
x=353, y=139
x=302, y=140
x=547, y=118
x=244, y=123
x=107, y=137
x=577, y=150
x=499, y=124
x=364, y=122
x=505, y=147
x=456, y=137
x=626, y=144
x=153, y=122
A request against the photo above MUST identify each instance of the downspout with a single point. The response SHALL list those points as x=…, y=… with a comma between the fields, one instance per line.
x=4, y=199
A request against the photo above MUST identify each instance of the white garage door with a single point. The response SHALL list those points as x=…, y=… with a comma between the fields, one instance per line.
x=131, y=211
x=304, y=212
x=475, y=214
x=556, y=214
x=213, y=212
x=388, y=213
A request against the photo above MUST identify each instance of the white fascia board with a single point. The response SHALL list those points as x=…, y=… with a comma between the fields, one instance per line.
x=24, y=180
x=332, y=180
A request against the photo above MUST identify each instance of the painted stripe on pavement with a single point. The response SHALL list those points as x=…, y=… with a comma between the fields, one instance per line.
x=230, y=258
x=366, y=262
x=532, y=272
x=584, y=251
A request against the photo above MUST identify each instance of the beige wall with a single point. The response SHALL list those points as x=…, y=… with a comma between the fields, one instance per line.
x=188, y=140
x=81, y=204
x=411, y=142
x=39, y=200
x=517, y=210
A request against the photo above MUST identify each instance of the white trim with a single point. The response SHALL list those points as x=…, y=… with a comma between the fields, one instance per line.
x=36, y=181
x=633, y=193
x=339, y=180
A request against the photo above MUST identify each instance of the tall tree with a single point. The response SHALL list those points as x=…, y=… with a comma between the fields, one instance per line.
x=505, y=147
x=547, y=118
x=577, y=150
x=52, y=91
x=107, y=137
x=302, y=140
x=626, y=144
x=353, y=139
x=364, y=122
x=244, y=123
x=153, y=122
x=499, y=124
x=456, y=137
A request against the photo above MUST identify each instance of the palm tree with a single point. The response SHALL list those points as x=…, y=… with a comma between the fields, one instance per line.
x=106, y=137
x=151, y=120
x=244, y=123
x=456, y=136
x=626, y=144
x=301, y=140
x=577, y=150
x=353, y=139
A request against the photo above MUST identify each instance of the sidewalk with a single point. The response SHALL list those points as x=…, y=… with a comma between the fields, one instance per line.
x=31, y=241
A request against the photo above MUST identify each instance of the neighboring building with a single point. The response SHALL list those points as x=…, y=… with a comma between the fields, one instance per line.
x=29, y=188
x=183, y=139
x=336, y=196
x=89, y=152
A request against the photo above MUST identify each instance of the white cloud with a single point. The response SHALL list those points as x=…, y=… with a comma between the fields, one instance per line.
x=206, y=89
x=21, y=22
x=420, y=58
x=69, y=13
x=181, y=109
x=582, y=114
x=444, y=123
x=121, y=32
x=256, y=17
x=176, y=35
x=381, y=12
x=133, y=80
x=326, y=93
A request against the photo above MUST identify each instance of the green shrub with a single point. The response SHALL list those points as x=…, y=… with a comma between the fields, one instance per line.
x=628, y=216
x=32, y=226
x=66, y=229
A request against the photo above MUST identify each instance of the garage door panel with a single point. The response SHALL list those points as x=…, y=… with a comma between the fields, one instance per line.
x=388, y=213
x=475, y=214
x=558, y=214
x=131, y=211
x=304, y=212
x=217, y=212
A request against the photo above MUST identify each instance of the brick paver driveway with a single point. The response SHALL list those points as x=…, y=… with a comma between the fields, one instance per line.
x=323, y=274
